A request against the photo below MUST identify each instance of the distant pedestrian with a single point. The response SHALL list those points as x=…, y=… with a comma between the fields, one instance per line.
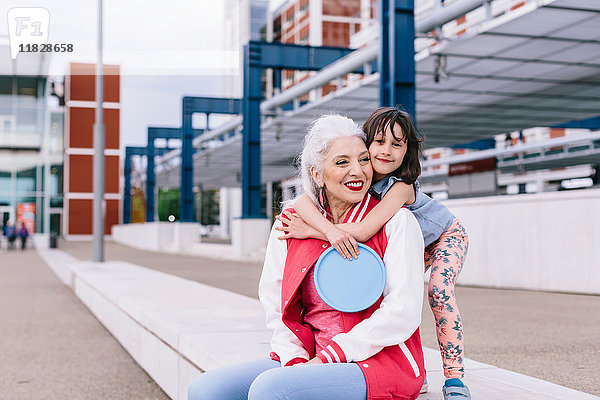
x=23, y=234
x=11, y=235
x=508, y=140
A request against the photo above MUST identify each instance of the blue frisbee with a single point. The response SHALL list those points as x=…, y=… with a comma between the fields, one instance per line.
x=350, y=286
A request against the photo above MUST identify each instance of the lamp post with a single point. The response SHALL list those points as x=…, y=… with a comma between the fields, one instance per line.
x=99, y=151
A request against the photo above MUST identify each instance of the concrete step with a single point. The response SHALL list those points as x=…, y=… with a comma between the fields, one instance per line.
x=176, y=328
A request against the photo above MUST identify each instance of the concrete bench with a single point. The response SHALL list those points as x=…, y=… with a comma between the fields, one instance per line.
x=175, y=329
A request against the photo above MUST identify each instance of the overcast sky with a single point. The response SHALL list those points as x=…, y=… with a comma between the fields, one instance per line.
x=165, y=49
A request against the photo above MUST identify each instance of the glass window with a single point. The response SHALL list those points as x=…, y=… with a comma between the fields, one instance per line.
x=6, y=84
x=26, y=181
x=27, y=114
x=56, y=180
x=57, y=131
x=209, y=207
x=27, y=86
x=6, y=110
x=5, y=188
x=56, y=202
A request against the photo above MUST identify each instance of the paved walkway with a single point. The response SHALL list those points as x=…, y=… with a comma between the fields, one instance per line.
x=52, y=347
x=546, y=335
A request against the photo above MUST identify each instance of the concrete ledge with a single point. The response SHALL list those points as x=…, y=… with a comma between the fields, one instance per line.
x=175, y=329
x=249, y=239
x=40, y=240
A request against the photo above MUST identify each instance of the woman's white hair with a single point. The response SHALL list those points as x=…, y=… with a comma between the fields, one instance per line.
x=316, y=143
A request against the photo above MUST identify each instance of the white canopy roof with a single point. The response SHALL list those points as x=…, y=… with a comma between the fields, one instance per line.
x=536, y=66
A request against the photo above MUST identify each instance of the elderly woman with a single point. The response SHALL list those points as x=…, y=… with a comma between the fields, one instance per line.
x=317, y=351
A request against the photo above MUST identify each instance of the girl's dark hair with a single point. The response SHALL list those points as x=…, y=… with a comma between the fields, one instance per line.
x=385, y=117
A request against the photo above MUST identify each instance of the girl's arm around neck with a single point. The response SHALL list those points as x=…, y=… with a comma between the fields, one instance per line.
x=303, y=224
x=399, y=194
x=343, y=242
x=305, y=207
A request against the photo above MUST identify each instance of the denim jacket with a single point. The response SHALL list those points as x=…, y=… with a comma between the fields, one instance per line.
x=433, y=217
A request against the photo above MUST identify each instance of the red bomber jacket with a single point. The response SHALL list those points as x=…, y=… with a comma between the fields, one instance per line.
x=384, y=339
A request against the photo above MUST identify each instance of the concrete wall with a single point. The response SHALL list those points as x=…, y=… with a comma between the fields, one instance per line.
x=147, y=236
x=249, y=239
x=543, y=241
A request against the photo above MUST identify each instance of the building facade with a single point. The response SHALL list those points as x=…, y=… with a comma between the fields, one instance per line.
x=31, y=144
x=80, y=116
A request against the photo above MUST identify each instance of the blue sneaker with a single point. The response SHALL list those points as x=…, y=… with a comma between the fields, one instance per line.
x=425, y=386
x=455, y=389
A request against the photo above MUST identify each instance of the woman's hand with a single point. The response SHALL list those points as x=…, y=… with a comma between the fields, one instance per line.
x=296, y=227
x=343, y=242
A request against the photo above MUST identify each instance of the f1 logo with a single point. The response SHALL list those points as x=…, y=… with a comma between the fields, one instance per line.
x=27, y=26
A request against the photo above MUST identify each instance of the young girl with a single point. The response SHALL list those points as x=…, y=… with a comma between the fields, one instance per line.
x=394, y=149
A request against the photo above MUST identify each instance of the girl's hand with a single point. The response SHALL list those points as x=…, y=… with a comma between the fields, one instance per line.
x=315, y=360
x=343, y=242
x=296, y=227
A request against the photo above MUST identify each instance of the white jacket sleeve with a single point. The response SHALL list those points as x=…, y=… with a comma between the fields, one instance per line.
x=283, y=342
x=400, y=312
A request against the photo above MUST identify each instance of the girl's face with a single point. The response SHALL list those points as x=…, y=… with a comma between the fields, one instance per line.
x=387, y=152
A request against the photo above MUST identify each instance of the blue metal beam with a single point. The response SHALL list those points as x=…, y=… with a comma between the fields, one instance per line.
x=481, y=144
x=161, y=132
x=191, y=105
x=135, y=151
x=588, y=123
x=257, y=56
x=155, y=132
x=298, y=57
x=397, y=55
x=214, y=105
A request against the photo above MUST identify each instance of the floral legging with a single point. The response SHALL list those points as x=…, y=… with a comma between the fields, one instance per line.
x=446, y=257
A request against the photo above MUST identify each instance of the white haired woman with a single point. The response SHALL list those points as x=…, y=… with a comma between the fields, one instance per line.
x=317, y=351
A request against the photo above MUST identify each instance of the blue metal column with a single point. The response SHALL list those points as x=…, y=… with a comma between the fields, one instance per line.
x=156, y=133
x=251, y=184
x=150, y=179
x=397, y=55
x=186, y=213
x=402, y=45
x=191, y=105
x=383, y=61
x=259, y=55
x=129, y=151
x=127, y=189
x=277, y=78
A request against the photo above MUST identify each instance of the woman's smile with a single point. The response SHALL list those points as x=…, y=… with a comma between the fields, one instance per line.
x=355, y=186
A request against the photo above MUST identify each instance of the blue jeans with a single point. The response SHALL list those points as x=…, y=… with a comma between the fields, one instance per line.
x=265, y=379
